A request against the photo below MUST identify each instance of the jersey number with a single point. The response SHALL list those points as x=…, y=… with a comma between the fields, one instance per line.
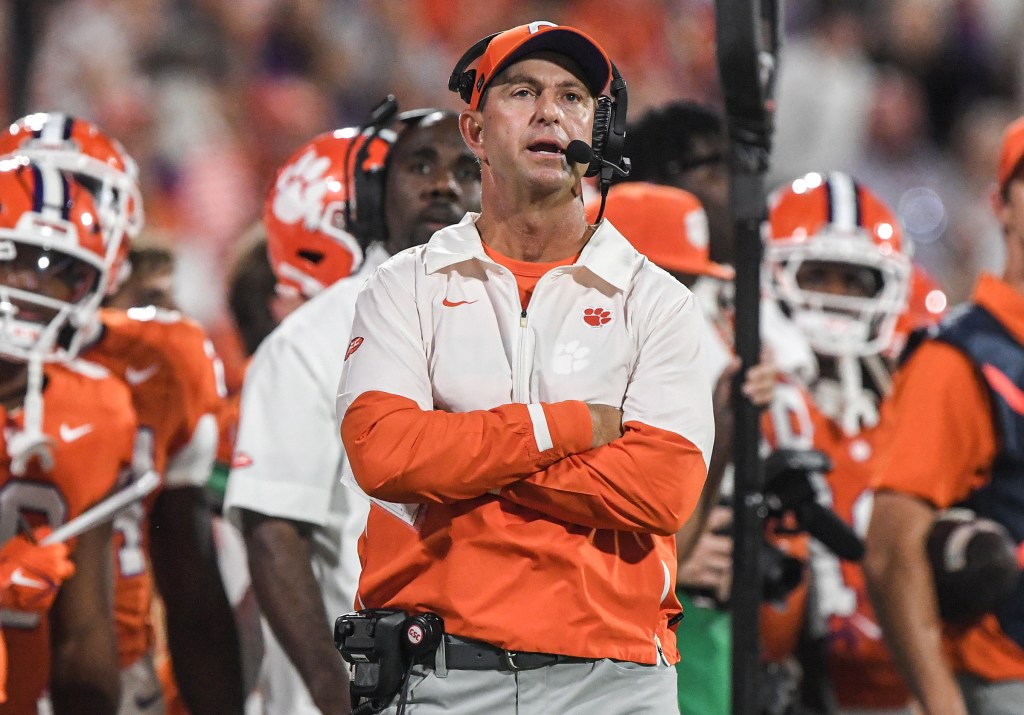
x=21, y=498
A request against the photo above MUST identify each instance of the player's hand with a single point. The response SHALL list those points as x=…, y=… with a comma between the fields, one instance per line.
x=759, y=385
x=30, y=574
x=607, y=423
x=709, y=567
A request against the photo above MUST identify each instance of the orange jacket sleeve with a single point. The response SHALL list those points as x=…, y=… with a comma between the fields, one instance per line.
x=648, y=480
x=401, y=453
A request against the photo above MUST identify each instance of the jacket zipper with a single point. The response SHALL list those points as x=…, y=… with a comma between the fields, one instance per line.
x=521, y=391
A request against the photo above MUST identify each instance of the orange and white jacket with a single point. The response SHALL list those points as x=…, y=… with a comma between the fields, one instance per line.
x=455, y=397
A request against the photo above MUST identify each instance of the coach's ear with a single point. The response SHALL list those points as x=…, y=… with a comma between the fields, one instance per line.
x=472, y=129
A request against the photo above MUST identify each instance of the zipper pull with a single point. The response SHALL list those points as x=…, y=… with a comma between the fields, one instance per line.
x=522, y=319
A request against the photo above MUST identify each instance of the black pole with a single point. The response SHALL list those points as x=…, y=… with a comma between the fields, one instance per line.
x=747, y=41
x=22, y=43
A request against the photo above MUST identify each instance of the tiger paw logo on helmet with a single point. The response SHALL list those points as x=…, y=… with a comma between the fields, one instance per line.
x=300, y=190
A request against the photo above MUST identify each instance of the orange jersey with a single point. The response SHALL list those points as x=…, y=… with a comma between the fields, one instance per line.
x=89, y=417
x=941, y=407
x=169, y=366
x=786, y=425
x=863, y=674
x=227, y=421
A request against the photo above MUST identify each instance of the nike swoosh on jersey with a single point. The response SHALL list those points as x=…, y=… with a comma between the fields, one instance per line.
x=137, y=376
x=449, y=304
x=18, y=578
x=70, y=434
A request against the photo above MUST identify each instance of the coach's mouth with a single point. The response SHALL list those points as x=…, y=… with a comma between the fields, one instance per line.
x=546, y=148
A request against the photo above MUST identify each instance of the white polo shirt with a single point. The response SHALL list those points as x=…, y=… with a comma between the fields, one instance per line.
x=288, y=455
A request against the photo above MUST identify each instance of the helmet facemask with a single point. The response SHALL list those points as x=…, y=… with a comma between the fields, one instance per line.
x=49, y=289
x=117, y=200
x=100, y=164
x=858, y=322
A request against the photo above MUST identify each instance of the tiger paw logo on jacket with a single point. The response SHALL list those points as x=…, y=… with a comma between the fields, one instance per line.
x=596, y=317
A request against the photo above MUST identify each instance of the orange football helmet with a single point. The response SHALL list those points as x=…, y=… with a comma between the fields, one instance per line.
x=52, y=260
x=99, y=163
x=831, y=219
x=310, y=211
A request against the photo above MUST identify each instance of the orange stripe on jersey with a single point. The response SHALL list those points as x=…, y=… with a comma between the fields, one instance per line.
x=1002, y=384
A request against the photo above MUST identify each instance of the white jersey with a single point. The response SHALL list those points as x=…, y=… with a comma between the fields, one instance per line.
x=288, y=454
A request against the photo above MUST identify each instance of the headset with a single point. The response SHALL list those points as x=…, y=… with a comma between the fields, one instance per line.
x=609, y=136
x=367, y=224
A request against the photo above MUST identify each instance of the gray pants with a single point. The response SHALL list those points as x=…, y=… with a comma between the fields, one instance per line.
x=602, y=687
x=996, y=698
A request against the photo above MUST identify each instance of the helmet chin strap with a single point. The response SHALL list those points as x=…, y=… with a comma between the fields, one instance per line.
x=30, y=442
x=859, y=407
x=846, y=400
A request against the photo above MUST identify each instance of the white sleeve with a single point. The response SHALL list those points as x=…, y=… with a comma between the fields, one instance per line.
x=287, y=454
x=386, y=352
x=671, y=384
x=191, y=465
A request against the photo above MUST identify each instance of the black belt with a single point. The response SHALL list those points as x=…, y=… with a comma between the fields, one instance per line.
x=464, y=654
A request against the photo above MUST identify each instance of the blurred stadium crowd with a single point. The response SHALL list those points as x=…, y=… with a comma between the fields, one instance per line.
x=211, y=96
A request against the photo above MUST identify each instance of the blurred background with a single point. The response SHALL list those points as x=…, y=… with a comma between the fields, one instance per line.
x=210, y=96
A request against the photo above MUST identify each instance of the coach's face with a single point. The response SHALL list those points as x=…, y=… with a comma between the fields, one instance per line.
x=433, y=180
x=531, y=111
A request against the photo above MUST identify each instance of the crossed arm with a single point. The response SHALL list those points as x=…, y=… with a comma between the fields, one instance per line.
x=642, y=478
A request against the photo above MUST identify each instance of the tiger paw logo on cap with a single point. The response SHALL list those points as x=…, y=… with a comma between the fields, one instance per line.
x=300, y=188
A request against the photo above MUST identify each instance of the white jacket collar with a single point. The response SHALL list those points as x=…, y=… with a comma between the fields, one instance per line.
x=608, y=255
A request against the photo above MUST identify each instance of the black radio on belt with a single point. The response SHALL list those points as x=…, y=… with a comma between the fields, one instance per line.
x=381, y=644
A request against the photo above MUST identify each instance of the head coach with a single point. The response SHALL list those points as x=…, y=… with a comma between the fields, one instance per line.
x=538, y=391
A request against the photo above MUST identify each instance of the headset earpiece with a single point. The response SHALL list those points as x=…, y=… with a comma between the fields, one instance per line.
x=462, y=79
x=367, y=225
x=609, y=137
x=602, y=127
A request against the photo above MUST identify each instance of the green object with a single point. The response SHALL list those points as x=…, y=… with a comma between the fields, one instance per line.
x=217, y=484
x=703, y=673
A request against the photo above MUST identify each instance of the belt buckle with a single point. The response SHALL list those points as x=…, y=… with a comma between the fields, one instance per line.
x=510, y=660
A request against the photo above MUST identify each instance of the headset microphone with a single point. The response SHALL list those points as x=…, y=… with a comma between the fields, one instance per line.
x=579, y=152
